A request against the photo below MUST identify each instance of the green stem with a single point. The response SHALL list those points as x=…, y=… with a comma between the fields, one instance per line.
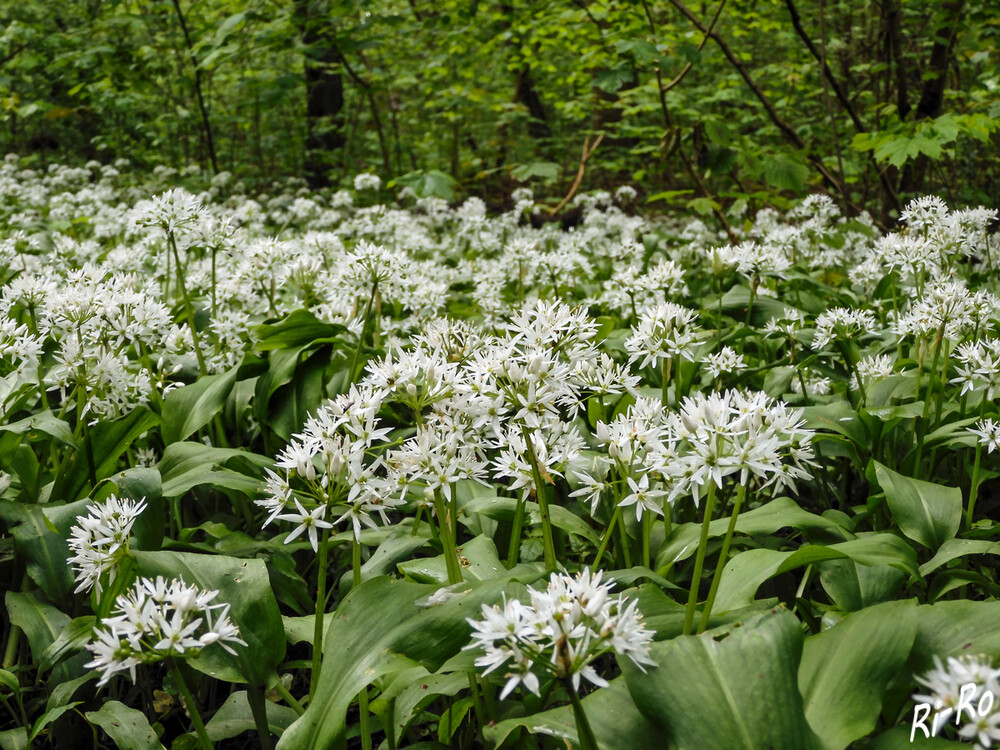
x=665, y=366
x=543, y=502
x=188, y=307
x=699, y=562
x=606, y=539
x=586, y=734
x=447, y=539
x=647, y=531
x=258, y=707
x=192, y=709
x=353, y=372
x=366, y=735
x=514, y=548
x=317, y=655
x=281, y=690
x=723, y=555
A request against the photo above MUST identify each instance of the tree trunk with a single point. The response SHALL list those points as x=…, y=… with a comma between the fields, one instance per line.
x=324, y=92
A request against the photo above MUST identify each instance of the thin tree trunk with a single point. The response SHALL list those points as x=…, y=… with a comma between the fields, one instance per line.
x=324, y=92
x=205, y=123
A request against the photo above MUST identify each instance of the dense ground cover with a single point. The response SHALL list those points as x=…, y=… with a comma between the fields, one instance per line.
x=352, y=468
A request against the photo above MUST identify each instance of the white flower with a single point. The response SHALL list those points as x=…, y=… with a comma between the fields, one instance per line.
x=643, y=498
x=100, y=539
x=310, y=521
x=988, y=432
x=665, y=331
x=156, y=620
x=564, y=628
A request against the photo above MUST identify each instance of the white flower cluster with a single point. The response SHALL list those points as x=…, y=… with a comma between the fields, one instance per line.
x=157, y=620
x=560, y=633
x=964, y=691
x=325, y=469
x=100, y=539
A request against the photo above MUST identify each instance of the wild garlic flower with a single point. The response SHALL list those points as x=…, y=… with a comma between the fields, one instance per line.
x=872, y=368
x=720, y=435
x=328, y=469
x=100, y=539
x=663, y=332
x=725, y=360
x=842, y=323
x=988, y=432
x=979, y=367
x=559, y=633
x=157, y=620
x=943, y=686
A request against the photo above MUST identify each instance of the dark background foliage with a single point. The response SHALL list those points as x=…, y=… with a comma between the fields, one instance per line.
x=703, y=105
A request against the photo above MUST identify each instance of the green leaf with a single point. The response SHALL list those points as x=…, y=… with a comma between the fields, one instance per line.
x=927, y=513
x=612, y=715
x=730, y=688
x=187, y=465
x=71, y=640
x=141, y=483
x=954, y=628
x=505, y=508
x=41, y=622
x=955, y=548
x=244, y=585
x=898, y=738
x=45, y=422
x=9, y=681
x=186, y=410
x=780, y=513
x=786, y=173
x=41, y=542
x=300, y=328
x=846, y=670
x=381, y=627
x=546, y=170
x=235, y=717
x=127, y=727
x=108, y=441
x=745, y=572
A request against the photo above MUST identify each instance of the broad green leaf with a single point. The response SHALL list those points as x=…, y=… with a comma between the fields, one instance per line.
x=850, y=666
x=745, y=572
x=898, y=738
x=785, y=173
x=300, y=328
x=853, y=586
x=108, y=441
x=71, y=639
x=187, y=465
x=41, y=622
x=244, y=585
x=478, y=559
x=235, y=717
x=41, y=542
x=730, y=688
x=612, y=714
x=144, y=484
x=780, y=513
x=127, y=727
x=927, y=513
x=382, y=626
x=9, y=681
x=955, y=548
x=48, y=717
x=189, y=408
x=45, y=422
x=954, y=628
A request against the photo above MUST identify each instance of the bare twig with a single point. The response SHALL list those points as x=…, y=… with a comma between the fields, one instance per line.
x=588, y=151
